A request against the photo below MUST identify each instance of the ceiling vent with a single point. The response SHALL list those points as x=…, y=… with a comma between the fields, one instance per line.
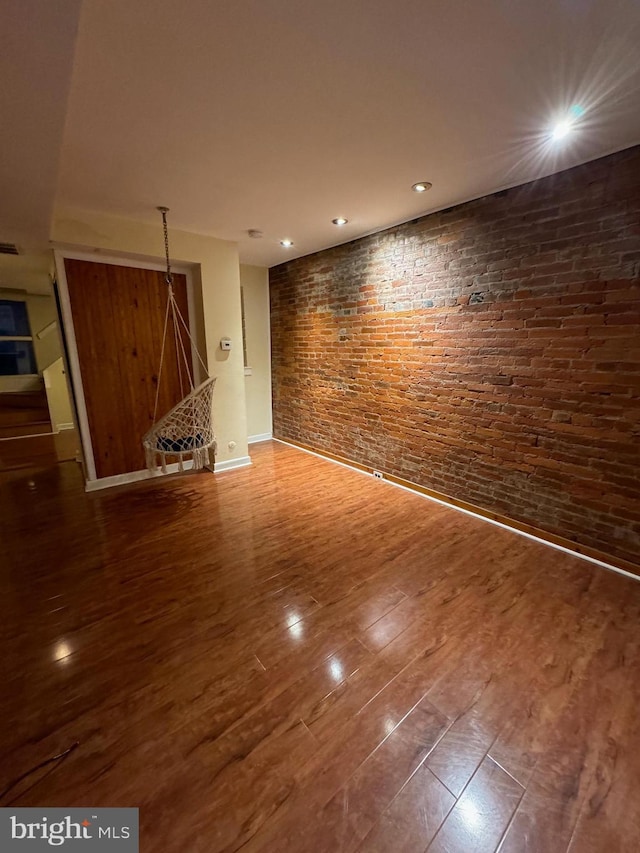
x=8, y=249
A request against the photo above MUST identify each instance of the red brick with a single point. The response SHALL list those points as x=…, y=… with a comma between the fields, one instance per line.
x=525, y=403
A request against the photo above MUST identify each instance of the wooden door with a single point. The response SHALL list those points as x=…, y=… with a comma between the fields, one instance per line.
x=118, y=317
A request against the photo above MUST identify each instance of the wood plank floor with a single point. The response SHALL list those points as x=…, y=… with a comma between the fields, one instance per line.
x=297, y=657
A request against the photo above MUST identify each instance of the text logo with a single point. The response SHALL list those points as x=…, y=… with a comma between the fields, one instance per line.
x=104, y=830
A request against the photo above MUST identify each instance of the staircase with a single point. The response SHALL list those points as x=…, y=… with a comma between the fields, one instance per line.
x=24, y=413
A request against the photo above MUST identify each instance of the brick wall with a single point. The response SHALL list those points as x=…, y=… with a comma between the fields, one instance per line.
x=490, y=352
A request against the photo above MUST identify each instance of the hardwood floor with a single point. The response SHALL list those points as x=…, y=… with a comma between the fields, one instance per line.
x=297, y=657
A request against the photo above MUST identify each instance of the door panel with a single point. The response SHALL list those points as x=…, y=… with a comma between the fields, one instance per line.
x=118, y=317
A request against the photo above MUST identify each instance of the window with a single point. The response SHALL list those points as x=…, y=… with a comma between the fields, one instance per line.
x=17, y=356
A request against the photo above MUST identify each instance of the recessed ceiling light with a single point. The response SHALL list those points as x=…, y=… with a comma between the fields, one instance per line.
x=566, y=125
x=561, y=129
x=340, y=221
x=286, y=243
x=421, y=186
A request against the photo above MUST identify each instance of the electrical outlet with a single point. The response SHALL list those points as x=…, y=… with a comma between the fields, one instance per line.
x=378, y=475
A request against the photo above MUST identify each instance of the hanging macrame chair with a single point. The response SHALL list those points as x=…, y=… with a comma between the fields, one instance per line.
x=185, y=432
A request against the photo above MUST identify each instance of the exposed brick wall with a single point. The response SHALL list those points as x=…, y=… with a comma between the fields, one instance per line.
x=490, y=352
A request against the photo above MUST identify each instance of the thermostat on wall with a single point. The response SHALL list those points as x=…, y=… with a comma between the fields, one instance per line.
x=225, y=343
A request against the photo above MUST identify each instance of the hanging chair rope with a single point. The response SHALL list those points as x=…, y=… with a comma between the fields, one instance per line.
x=177, y=348
x=164, y=340
x=192, y=342
x=186, y=430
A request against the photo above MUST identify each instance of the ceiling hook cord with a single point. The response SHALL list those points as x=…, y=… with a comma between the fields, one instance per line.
x=168, y=276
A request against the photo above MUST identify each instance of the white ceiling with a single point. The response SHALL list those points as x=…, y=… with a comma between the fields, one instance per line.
x=36, y=61
x=280, y=115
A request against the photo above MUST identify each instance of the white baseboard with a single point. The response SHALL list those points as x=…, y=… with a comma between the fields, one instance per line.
x=61, y=427
x=263, y=436
x=173, y=468
x=133, y=477
x=230, y=464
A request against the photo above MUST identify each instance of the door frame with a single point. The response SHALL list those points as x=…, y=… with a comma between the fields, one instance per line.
x=60, y=255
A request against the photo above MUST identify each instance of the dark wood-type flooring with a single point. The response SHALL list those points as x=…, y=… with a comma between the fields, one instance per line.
x=297, y=657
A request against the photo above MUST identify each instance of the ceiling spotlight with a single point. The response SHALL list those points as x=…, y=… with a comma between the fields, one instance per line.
x=340, y=221
x=286, y=243
x=561, y=129
x=566, y=125
x=421, y=186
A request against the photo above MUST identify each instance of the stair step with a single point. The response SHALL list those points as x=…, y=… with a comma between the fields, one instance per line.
x=23, y=399
x=18, y=430
x=8, y=417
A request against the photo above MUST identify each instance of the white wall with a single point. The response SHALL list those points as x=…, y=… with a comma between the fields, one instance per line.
x=42, y=313
x=216, y=270
x=255, y=289
x=55, y=384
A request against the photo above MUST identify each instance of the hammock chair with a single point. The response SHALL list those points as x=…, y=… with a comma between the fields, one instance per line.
x=186, y=431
